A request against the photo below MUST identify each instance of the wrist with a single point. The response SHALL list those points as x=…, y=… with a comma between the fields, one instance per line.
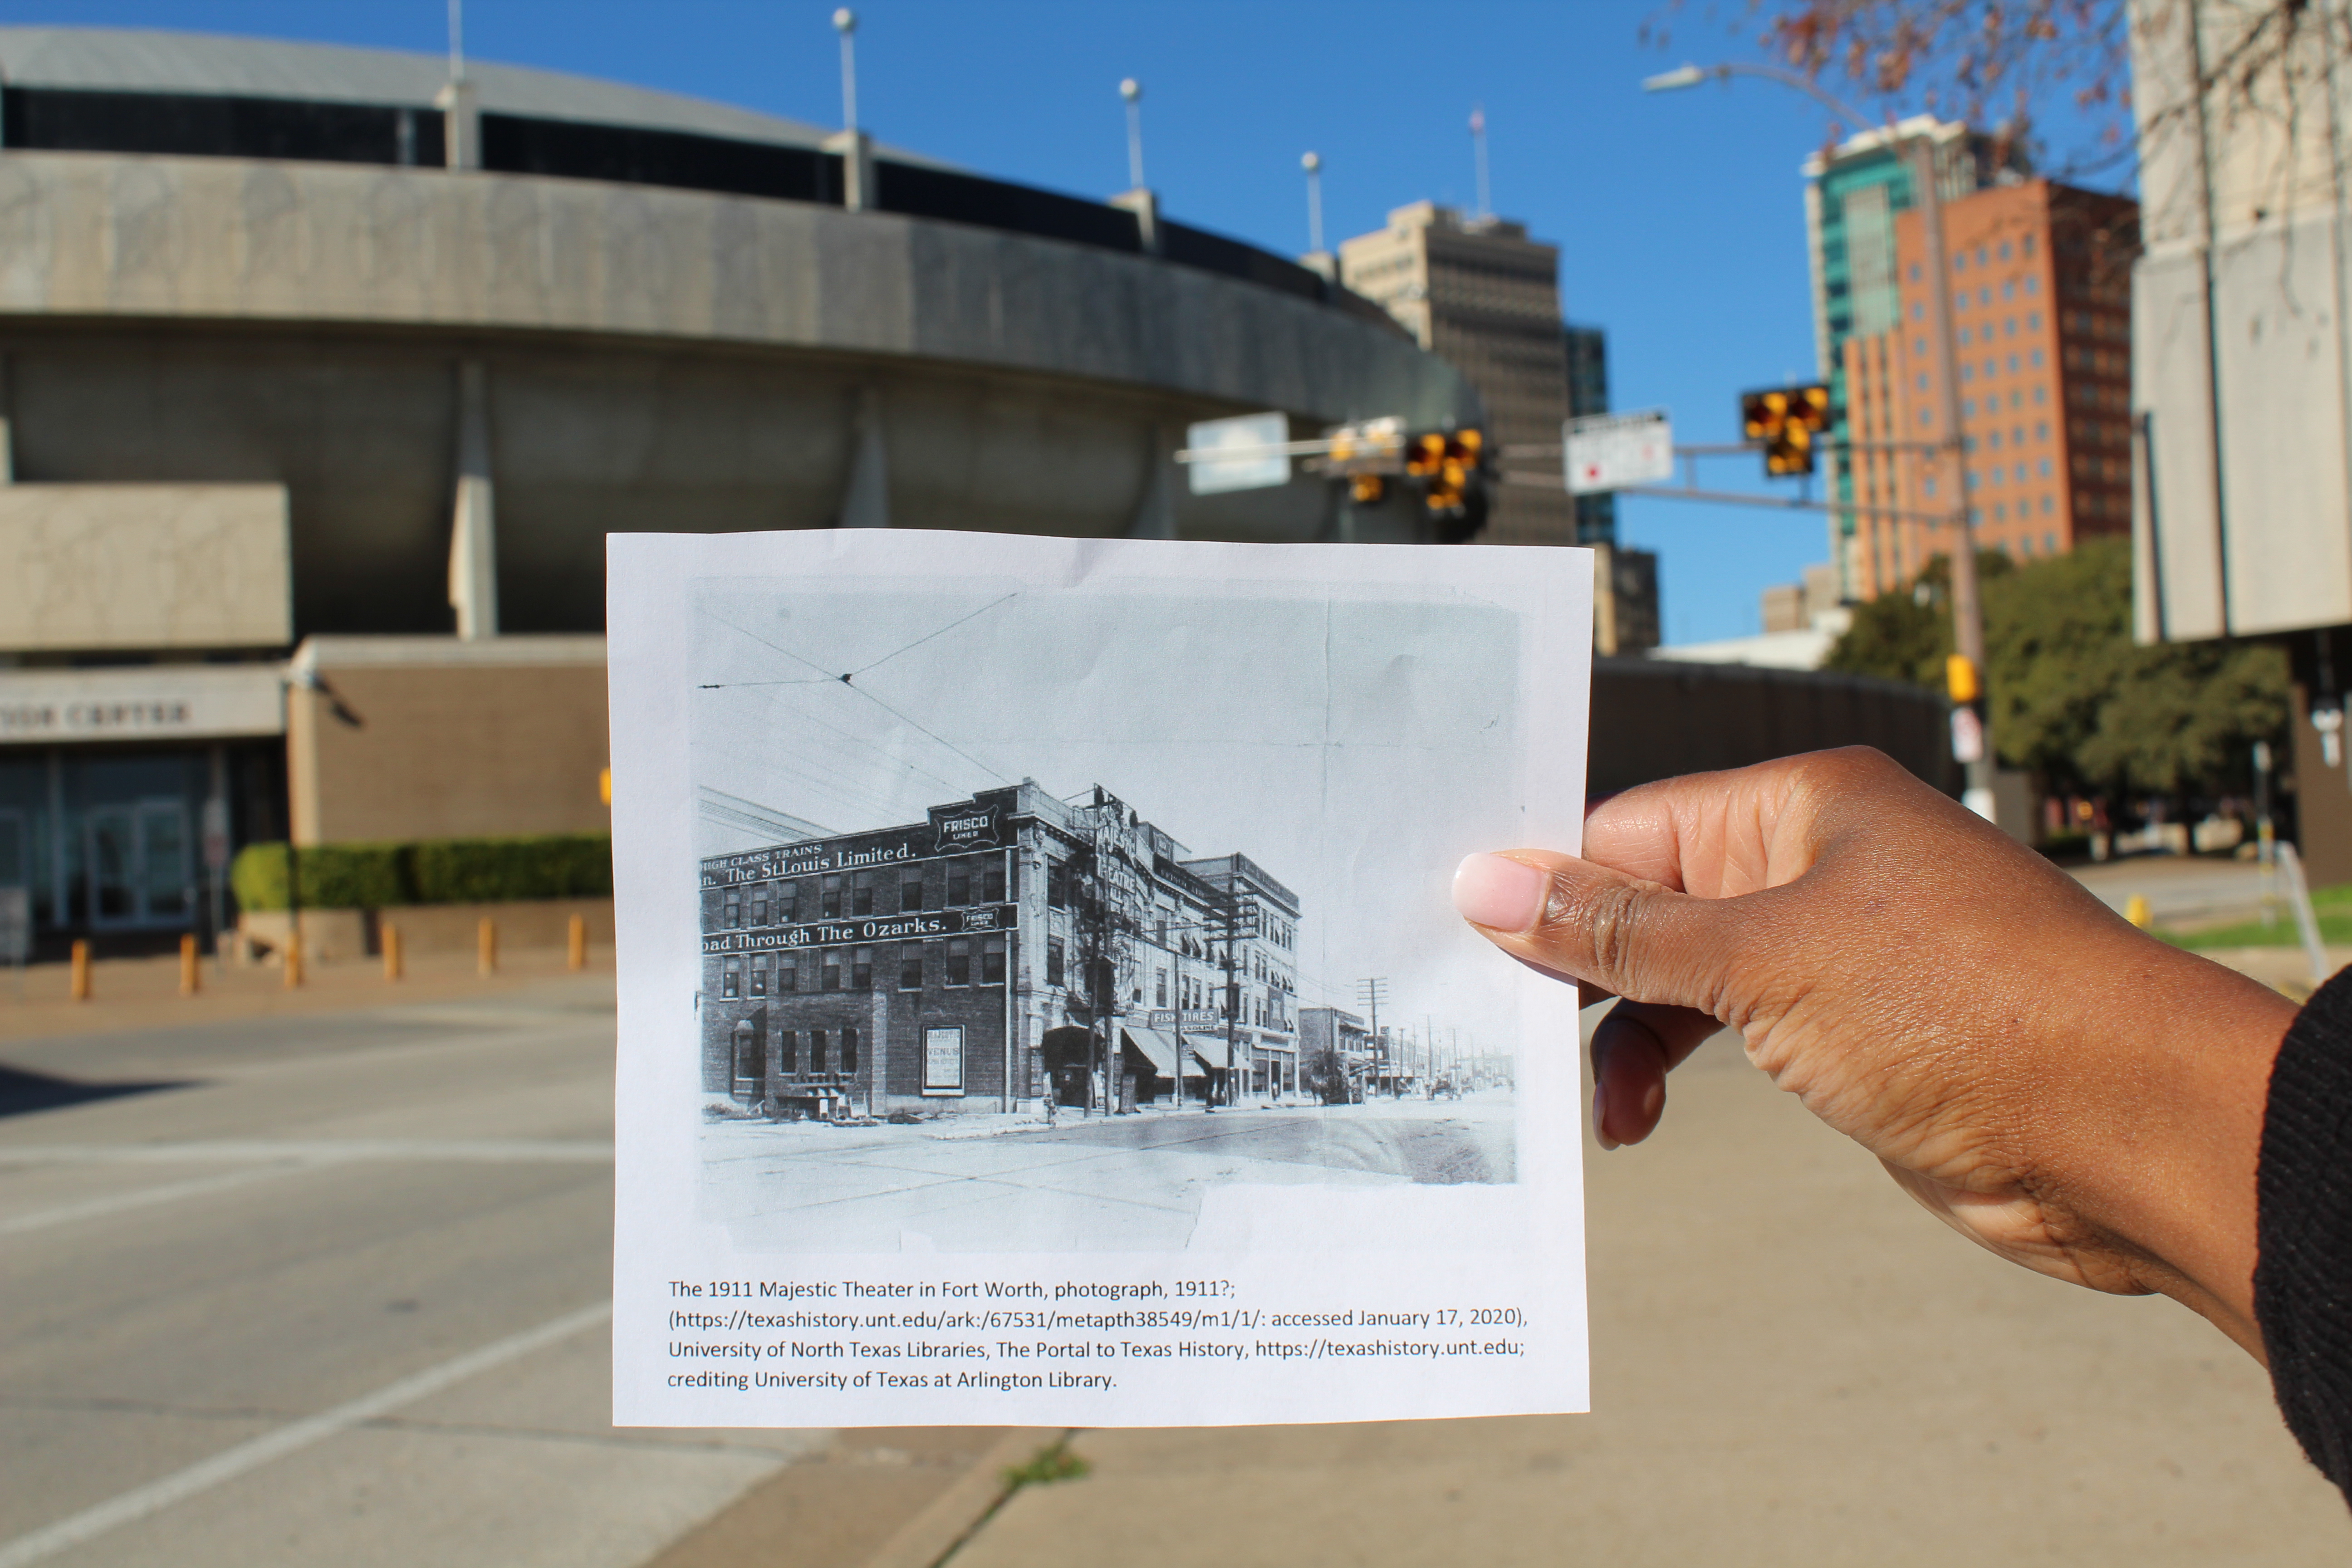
x=2177, y=1134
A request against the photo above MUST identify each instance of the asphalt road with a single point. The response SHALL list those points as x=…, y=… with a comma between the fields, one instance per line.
x=295, y=1290
x=1104, y=1184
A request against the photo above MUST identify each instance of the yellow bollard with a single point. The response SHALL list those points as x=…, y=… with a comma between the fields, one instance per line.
x=487, y=944
x=293, y=958
x=576, y=955
x=392, y=966
x=82, y=970
x=2136, y=910
x=191, y=972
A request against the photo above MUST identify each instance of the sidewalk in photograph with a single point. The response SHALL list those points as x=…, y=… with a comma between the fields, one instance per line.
x=1113, y=1183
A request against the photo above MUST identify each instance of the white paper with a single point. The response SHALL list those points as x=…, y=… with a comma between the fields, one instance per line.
x=928, y=718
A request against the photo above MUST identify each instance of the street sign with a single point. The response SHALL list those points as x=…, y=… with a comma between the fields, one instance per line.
x=15, y=924
x=1260, y=456
x=1607, y=452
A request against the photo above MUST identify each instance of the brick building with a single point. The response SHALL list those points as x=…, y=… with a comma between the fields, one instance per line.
x=1009, y=946
x=2042, y=326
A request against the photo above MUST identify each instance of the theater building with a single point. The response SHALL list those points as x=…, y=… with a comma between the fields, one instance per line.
x=1009, y=947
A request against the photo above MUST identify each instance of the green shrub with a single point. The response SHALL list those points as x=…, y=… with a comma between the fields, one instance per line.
x=334, y=876
x=433, y=871
x=486, y=870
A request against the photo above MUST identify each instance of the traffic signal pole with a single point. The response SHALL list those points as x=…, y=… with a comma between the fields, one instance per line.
x=1968, y=615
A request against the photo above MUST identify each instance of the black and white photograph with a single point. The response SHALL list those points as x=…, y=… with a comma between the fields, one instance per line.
x=1031, y=916
x=1025, y=939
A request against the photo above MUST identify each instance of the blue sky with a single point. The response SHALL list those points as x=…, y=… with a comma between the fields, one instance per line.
x=1679, y=216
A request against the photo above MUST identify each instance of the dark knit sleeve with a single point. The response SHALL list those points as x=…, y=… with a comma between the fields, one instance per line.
x=2303, y=1194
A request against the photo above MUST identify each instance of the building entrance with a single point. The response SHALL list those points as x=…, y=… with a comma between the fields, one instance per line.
x=142, y=872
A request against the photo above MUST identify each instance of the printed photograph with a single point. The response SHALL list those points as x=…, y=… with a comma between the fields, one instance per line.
x=1032, y=914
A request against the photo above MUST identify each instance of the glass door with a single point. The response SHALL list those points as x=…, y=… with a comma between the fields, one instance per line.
x=142, y=866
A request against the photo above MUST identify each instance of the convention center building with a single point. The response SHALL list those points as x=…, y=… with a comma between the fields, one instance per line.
x=323, y=377
x=1012, y=947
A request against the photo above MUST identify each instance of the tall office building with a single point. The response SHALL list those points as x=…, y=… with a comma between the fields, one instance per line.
x=1853, y=196
x=1483, y=295
x=2042, y=329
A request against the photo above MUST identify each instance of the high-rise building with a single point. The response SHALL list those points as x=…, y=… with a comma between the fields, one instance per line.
x=1852, y=196
x=1480, y=294
x=2042, y=329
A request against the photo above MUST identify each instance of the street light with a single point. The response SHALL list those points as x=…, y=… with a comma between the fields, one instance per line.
x=1313, y=163
x=845, y=22
x=1968, y=615
x=1133, y=91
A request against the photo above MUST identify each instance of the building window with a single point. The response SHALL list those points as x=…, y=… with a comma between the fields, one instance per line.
x=2037, y=359
x=1919, y=308
x=1928, y=485
x=1961, y=301
x=816, y=1050
x=759, y=982
x=1159, y=988
x=731, y=983
x=959, y=884
x=1923, y=381
x=2041, y=394
x=788, y=1050
x=2049, y=541
x=991, y=961
x=2001, y=514
x=788, y=902
x=1919, y=347
x=2012, y=365
x=788, y=976
x=2032, y=319
x=910, y=891
x=1960, y=263
x=1053, y=961
x=992, y=880
x=833, y=969
x=959, y=961
x=910, y=966
x=2047, y=503
x=830, y=903
x=1993, y=439
x=1992, y=368
x=1964, y=335
x=848, y=1049
x=861, y=893
x=759, y=911
x=733, y=913
x=1058, y=884
x=2018, y=474
x=1967, y=372
x=1926, y=417
x=1984, y=296
x=861, y=969
x=1914, y=276
x=2008, y=326
x=1976, y=514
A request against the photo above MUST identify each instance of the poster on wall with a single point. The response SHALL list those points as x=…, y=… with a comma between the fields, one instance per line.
x=1040, y=998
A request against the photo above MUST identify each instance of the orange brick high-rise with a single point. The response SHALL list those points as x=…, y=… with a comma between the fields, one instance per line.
x=2040, y=275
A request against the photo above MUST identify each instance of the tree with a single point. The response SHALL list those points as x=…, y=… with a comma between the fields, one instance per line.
x=2073, y=698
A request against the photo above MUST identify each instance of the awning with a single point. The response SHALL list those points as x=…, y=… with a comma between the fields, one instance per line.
x=1160, y=1049
x=1208, y=1049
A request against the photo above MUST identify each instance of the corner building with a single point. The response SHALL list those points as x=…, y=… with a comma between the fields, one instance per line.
x=1008, y=947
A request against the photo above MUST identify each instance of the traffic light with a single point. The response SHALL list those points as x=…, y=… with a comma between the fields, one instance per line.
x=1450, y=468
x=1784, y=421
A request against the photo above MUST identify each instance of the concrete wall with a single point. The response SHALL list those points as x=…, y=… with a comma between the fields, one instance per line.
x=143, y=566
x=1655, y=719
x=457, y=740
x=655, y=358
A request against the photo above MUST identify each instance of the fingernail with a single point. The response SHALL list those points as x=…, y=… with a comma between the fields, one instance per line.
x=1501, y=894
x=1601, y=1116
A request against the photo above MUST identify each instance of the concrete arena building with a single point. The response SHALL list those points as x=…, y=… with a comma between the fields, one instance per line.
x=325, y=377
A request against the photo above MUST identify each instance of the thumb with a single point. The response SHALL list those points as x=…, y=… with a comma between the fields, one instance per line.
x=1639, y=939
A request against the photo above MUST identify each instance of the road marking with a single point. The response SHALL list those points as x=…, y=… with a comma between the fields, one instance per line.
x=267, y=1160
x=140, y=1503
x=490, y=1151
x=170, y=1191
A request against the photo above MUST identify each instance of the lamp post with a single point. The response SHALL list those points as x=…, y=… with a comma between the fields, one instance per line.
x=1313, y=163
x=845, y=22
x=1131, y=90
x=1972, y=741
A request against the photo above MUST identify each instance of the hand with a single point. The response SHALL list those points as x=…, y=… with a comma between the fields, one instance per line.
x=2062, y=1088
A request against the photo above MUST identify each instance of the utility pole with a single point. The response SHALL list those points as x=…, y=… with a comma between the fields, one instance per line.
x=1370, y=993
x=1973, y=749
